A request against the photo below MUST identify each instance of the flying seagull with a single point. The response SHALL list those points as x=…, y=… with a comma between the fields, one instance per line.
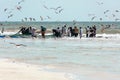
x=45, y=7
x=93, y=17
x=41, y=18
x=5, y=9
x=106, y=11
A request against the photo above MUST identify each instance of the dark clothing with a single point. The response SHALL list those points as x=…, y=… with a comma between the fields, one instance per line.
x=43, y=29
x=91, y=32
x=25, y=31
x=43, y=34
x=56, y=33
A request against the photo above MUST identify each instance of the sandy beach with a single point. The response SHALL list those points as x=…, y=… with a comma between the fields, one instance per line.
x=10, y=70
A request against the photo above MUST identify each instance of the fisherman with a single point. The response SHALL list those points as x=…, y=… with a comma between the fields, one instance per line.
x=94, y=31
x=2, y=30
x=80, y=32
x=91, y=32
x=43, y=30
x=68, y=32
x=64, y=30
x=71, y=32
x=26, y=31
x=22, y=30
x=33, y=32
x=76, y=31
x=87, y=31
x=56, y=32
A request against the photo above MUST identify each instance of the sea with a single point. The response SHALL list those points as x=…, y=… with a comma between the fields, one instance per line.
x=114, y=26
x=79, y=59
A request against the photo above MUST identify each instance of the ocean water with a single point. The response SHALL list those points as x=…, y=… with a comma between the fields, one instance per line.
x=76, y=57
x=115, y=26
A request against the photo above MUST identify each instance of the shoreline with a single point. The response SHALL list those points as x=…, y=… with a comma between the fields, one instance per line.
x=12, y=70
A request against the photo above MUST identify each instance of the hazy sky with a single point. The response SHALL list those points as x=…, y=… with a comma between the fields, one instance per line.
x=79, y=10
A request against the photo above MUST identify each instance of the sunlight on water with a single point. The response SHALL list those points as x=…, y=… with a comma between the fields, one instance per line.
x=96, y=53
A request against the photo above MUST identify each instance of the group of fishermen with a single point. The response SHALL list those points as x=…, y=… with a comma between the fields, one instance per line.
x=32, y=31
x=70, y=32
x=64, y=31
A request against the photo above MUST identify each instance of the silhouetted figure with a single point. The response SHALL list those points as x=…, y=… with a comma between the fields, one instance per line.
x=91, y=32
x=76, y=31
x=43, y=30
x=94, y=31
x=56, y=32
x=81, y=32
x=87, y=31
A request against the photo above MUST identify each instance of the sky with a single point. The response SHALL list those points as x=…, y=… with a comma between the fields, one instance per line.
x=68, y=10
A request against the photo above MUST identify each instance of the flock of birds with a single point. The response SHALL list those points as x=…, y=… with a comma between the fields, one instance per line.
x=18, y=7
x=9, y=12
x=107, y=14
x=58, y=10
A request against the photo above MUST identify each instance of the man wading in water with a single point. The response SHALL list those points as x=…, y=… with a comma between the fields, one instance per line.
x=43, y=29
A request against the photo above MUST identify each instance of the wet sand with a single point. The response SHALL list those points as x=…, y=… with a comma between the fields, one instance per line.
x=11, y=70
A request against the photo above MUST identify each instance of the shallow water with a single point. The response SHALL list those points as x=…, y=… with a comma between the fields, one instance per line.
x=67, y=54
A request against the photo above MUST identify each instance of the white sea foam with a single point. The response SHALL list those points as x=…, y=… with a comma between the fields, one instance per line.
x=8, y=33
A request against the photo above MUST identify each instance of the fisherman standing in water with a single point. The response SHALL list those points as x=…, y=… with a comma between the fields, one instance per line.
x=87, y=31
x=2, y=30
x=64, y=30
x=43, y=30
x=81, y=32
x=76, y=31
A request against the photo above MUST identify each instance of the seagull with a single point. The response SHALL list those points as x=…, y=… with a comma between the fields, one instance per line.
x=93, y=17
x=116, y=10
x=20, y=1
x=45, y=7
x=100, y=19
x=113, y=15
x=10, y=15
x=74, y=22
x=99, y=3
x=41, y=18
x=5, y=9
x=18, y=44
x=19, y=8
x=56, y=8
x=48, y=17
x=60, y=10
x=106, y=11
x=25, y=19
x=30, y=19
x=34, y=19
